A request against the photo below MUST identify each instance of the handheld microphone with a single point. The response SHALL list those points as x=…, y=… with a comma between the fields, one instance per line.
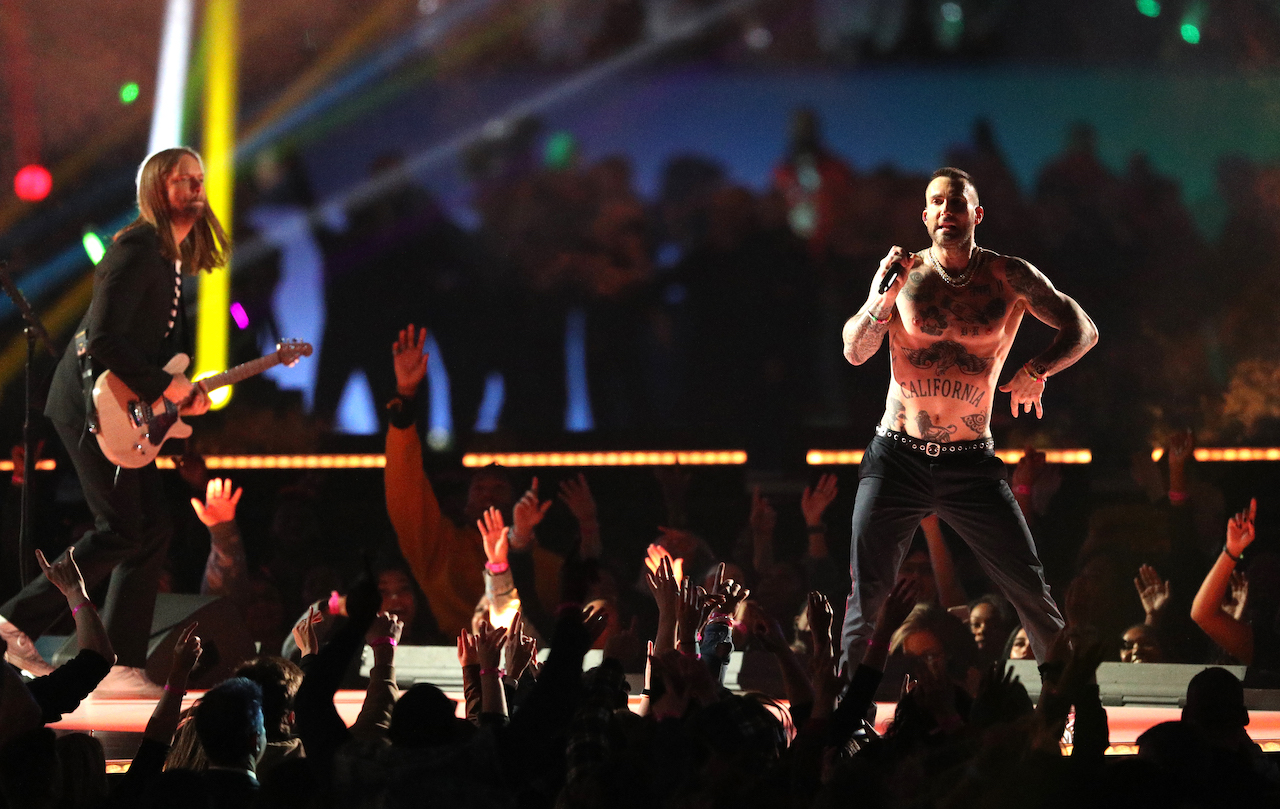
x=893, y=273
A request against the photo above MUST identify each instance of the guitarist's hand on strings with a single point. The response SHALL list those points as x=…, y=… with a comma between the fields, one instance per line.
x=179, y=389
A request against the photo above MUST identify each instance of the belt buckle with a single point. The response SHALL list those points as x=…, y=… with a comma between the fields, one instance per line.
x=932, y=450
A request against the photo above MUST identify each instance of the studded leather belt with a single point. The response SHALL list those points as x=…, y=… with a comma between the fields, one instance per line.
x=935, y=449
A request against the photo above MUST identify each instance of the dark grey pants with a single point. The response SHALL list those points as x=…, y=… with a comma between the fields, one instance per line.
x=897, y=488
x=128, y=543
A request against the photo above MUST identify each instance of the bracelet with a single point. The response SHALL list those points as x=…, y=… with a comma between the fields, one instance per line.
x=1177, y=498
x=386, y=640
x=1022, y=488
x=880, y=321
x=81, y=606
x=497, y=567
x=820, y=528
x=1034, y=377
x=499, y=672
x=179, y=690
x=645, y=692
x=1229, y=556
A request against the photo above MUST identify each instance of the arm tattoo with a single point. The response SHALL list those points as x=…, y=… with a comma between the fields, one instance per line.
x=1076, y=332
x=862, y=337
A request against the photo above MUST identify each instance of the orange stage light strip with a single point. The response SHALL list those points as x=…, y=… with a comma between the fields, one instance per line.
x=1229, y=454
x=285, y=461
x=48, y=464
x=838, y=457
x=733, y=457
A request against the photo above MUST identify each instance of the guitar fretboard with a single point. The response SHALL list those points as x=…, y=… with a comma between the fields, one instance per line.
x=241, y=372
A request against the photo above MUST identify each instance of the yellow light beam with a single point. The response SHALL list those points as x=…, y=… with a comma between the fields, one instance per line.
x=222, y=39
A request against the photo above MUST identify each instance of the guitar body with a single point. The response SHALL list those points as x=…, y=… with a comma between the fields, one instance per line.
x=129, y=433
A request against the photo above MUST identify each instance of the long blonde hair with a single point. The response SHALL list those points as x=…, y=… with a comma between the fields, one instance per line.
x=206, y=246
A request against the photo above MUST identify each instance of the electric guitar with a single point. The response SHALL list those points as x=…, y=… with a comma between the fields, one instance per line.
x=131, y=433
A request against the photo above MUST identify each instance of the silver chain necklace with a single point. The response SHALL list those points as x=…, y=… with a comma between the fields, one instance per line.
x=959, y=280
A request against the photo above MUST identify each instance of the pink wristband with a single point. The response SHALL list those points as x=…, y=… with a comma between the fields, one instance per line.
x=383, y=641
x=498, y=672
x=335, y=602
x=497, y=567
x=1177, y=498
x=80, y=606
x=1022, y=489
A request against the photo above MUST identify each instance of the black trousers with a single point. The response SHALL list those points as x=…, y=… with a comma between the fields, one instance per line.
x=897, y=488
x=128, y=543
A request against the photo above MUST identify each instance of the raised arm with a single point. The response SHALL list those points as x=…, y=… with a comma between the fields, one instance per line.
x=863, y=333
x=226, y=572
x=1229, y=632
x=65, y=575
x=1076, y=333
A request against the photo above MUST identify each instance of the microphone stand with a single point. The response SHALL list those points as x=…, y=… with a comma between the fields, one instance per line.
x=33, y=329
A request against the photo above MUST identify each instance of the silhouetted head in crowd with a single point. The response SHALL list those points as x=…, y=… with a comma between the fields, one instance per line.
x=990, y=620
x=279, y=680
x=933, y=637
x=1019, y=646
x=1139, y=644
x=29, y=771
x=425, y=717
x=229, y=724
x=918, y=569
x=490, y=486
x=84, y=771
x=1215, y=705
x=399, y=597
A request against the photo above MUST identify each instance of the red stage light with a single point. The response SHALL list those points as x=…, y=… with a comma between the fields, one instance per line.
x=32, y=183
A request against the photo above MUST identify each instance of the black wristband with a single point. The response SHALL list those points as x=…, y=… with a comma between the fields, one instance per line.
x=1235, y=559
x=404, y=411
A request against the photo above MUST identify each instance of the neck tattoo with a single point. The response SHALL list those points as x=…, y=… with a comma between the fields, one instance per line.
x=962, y=278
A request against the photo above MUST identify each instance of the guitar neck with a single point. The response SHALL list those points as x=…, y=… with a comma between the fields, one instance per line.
x=241, y=372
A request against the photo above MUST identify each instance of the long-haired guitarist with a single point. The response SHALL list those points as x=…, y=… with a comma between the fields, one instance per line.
x=135, y=324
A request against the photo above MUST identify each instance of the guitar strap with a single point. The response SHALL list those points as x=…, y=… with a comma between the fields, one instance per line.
x=86, y=379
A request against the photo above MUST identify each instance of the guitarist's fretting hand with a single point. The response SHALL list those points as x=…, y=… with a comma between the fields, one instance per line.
x=179, y=389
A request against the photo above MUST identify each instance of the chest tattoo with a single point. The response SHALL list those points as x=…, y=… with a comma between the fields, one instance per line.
x=944, y=355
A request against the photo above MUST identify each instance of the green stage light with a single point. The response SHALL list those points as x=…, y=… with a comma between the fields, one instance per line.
x=93, y=246
x=129, y=93
x=1149, y=8
x=1191, y=33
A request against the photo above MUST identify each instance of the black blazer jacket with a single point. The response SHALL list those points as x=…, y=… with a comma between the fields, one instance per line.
x=126, y=324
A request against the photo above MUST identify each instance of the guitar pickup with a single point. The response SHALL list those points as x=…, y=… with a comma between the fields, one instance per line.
x=139, y=413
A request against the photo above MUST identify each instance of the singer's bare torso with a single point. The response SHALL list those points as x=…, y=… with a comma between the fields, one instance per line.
x=947, y=346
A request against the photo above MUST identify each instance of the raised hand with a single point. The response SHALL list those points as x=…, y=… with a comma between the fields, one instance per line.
x=1237, y=595
x=528, y=512
x=576, y=494
x=1240, y=529
x=763, y=517
x=732, y=592
x=489, y=642
x=521, y=649
x=219, y=504
x=1180, y=446
x=1153, y=590
x=409, y=360
x=689, y=613
x=186, y=653
x=663, y=586
x=304, y=632
x=654, y=555
x=468, y=651
x=815, y=499
x=898, y=605
x=385, y=625
x=596, y=620
x=819, y=614
x=65, y=575
x=495, y=536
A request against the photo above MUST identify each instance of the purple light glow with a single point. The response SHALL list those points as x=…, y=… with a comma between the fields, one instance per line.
x=239, y=315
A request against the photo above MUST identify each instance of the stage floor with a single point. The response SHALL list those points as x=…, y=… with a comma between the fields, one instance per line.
x=119, y=723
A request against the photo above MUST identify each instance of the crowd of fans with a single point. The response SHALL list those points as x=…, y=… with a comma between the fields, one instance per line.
x=539, y=731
